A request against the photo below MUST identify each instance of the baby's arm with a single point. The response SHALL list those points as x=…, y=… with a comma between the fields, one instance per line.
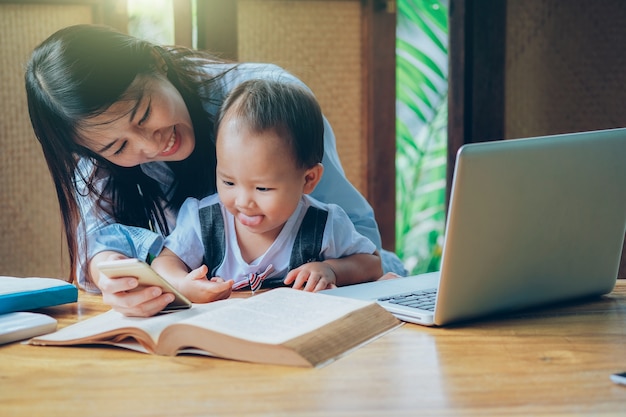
x=193, y=284
x=357, y=268
x=352, y=269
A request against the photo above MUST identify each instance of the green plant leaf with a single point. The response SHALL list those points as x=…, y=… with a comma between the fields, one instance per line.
x=421, y=134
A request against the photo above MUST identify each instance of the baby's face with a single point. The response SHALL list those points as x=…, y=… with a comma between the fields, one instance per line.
x=257, y=178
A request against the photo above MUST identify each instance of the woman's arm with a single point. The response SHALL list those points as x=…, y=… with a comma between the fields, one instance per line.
x=98, y=232
x=101, y=239
x=335, y=188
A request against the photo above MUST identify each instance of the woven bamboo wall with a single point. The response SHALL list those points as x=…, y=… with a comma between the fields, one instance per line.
x=565, y=66
x=320, y=42
x=33, y=242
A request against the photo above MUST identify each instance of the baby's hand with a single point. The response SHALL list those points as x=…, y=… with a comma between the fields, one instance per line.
x=199, y=289
x=312, y=276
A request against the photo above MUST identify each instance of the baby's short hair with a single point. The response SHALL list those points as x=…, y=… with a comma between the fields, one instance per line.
x=284, y=106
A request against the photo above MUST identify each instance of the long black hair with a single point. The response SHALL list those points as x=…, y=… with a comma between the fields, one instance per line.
x=78, y=73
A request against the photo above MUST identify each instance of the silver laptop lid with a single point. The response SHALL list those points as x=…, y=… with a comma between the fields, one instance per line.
x=533, y=221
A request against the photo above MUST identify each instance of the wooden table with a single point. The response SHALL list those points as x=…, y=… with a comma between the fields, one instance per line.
x=553, y=361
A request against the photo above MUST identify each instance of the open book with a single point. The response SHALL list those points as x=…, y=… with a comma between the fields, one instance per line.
x=281, y=326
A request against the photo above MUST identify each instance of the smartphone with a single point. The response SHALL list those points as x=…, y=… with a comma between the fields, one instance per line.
x=619, y=378
x=147, y=278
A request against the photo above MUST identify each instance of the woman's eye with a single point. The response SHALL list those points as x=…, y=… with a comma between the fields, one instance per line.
x=120, y=150
x=146, y=115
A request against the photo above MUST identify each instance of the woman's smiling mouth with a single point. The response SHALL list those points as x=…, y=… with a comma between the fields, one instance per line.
x=172, y=145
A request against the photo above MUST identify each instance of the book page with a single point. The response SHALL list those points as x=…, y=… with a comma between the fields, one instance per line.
x=114, y=327
x=277, y=315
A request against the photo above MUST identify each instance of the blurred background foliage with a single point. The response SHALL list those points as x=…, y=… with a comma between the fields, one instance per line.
x=421, y=132
x=152, y=20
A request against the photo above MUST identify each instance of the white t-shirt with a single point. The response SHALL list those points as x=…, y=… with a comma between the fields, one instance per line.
x=340, y=239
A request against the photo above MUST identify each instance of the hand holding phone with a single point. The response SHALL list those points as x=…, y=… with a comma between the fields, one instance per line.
x=146, y=276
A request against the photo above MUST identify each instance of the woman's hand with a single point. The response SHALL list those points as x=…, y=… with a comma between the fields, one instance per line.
x=122, y=293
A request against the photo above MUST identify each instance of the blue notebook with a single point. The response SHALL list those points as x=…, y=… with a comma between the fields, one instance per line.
x=25, y=294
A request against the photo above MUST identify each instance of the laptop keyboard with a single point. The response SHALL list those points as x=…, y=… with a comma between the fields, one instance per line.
x=423, y=299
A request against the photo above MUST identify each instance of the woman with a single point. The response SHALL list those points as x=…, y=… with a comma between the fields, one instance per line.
x=126, y=128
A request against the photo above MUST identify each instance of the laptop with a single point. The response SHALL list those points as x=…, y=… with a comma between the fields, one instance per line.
x=531, y=222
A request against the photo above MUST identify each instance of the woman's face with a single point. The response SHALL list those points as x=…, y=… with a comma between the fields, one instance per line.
x=155, y=127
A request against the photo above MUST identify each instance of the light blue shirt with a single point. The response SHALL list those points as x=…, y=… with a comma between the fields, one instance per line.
x=99, y=232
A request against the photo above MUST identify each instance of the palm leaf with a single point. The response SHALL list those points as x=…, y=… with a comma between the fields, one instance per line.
x=421, y=132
